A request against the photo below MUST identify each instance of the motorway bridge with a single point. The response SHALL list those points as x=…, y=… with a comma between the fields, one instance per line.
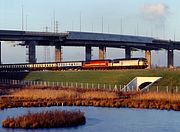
x=89, y=40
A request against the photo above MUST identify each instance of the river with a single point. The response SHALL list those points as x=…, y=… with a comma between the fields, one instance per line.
x=108, y=120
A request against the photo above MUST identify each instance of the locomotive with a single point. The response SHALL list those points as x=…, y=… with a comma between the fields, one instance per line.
x=133, y=63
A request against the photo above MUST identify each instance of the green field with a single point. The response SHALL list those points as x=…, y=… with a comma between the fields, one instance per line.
x=120, y=77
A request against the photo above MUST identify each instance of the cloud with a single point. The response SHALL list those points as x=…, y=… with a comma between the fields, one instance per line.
x=156, y=12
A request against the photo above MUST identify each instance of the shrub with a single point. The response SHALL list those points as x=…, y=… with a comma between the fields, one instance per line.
x=46, y=119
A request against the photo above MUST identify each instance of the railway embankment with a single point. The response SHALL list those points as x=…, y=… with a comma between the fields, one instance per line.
x=170, y=77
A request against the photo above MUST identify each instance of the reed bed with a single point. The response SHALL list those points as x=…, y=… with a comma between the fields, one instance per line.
x=55, y=96
x=161, y=96
x=64, y=94
x=45, y=93
x=46, y=119
x=99, y=95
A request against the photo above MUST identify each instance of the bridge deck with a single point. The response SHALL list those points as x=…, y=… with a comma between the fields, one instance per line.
x=72, y=38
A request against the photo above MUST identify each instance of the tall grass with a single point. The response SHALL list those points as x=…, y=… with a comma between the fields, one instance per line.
x=44, y=93
x=64, y=94
x=159, y=96
x=46, y=119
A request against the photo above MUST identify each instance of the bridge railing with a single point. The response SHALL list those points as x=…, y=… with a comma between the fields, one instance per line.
x=95, y=86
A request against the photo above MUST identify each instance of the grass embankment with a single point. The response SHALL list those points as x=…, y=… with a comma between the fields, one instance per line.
x=119, y=77
x=43, y=97
x=46, y=119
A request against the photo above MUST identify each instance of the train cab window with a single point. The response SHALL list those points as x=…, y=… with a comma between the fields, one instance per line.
x=116, y=61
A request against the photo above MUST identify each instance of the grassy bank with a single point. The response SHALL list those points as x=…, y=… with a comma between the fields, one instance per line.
x=119, y=77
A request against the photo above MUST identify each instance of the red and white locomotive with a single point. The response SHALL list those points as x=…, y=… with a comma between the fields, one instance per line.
x=134, y=63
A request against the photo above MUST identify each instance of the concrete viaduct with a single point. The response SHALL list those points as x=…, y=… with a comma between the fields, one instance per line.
x=89, y=40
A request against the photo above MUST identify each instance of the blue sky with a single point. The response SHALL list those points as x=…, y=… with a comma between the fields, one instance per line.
x=133, y=15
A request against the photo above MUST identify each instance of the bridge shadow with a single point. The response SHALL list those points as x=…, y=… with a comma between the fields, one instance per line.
x=6, y=89
x=13, y=75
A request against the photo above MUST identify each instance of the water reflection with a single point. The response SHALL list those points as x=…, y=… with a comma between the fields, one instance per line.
x=109, y=120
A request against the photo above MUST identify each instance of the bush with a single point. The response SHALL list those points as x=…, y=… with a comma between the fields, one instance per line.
x=46, y=119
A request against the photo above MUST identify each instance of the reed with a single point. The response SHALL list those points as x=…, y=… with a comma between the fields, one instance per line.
x=46, y=119
x=161, y=96
x=64, y=94
x=44, y=93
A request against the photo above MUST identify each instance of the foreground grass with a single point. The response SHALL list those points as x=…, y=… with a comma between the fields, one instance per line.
x=43, y=97
x=46, y=119
x=162, y=96
x=64, y=94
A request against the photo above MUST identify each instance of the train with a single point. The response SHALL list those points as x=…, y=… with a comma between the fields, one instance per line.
x=108, y=64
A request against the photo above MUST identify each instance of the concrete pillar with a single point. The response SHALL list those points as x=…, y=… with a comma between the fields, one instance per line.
x=58, y=52
x=148, y=57
x=127, y=52
x=88, y=53
x=102, y=52
x=0, y=53
x=170, y=57
x=32, y=51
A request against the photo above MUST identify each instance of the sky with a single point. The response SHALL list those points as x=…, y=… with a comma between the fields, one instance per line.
x=156, y=18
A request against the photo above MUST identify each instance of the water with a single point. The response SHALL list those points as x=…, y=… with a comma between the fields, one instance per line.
x=109, y=120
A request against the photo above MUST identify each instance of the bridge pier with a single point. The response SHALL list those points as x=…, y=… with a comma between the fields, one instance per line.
x=148, y=57
x=88, y=53
x=170, y=59
x=58, y=53
x=127, y=52
x=32, y=51
x=102, y=52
